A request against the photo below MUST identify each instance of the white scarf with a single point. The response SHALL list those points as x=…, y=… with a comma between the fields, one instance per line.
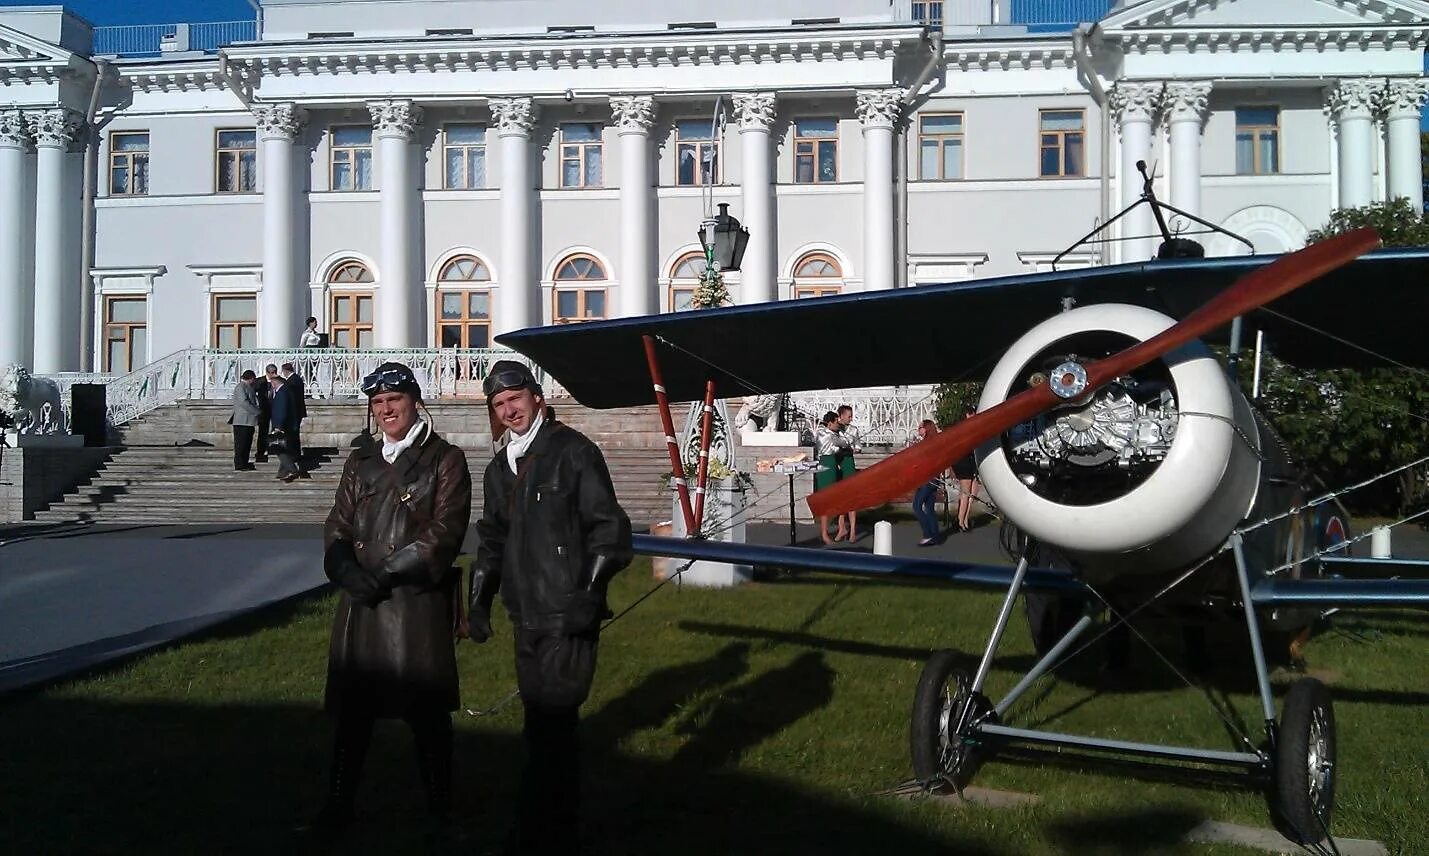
x=391, y=449
x=517, y=444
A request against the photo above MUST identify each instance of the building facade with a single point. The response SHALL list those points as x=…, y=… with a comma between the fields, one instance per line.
x=429, y=173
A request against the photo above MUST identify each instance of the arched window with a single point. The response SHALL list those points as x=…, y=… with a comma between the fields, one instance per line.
x=580, y=290
x=684, y=279
x=464, y=304
x=350, y=310
x=817, y=275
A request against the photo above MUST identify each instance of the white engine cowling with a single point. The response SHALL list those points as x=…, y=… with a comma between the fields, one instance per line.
x=1148, y=473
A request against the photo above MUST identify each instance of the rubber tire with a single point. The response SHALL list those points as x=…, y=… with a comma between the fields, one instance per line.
x=925, y=735
x=1291, y=798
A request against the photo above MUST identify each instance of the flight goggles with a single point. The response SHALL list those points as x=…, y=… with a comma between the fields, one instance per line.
x=390, y=380
x=513, y=378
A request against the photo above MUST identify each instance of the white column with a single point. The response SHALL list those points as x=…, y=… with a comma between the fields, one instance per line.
x=757, y=273
x=1134, y=106
x=1401, y=102
x=279, y=126
x=877, y=110
x=1186, y=106
x=399, y=289
x=1352, y=105
x=517, y=289
x=16, y=310
x=633, y=116
x=56, y=346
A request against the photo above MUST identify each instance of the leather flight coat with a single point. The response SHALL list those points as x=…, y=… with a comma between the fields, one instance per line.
x=405, y=522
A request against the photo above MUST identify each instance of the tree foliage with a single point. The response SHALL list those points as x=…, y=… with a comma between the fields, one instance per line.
x=953, y=401
x=1398, y=224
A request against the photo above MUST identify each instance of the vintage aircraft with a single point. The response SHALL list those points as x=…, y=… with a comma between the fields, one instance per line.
x=1107, y=432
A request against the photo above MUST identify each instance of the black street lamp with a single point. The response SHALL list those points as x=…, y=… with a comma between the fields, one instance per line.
x=724, y=239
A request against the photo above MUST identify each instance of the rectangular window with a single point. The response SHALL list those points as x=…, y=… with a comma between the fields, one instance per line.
x=126, y=333
x=816, y=151
x=682, y=297
x=1062, y=135
x=802, y=291
x=464, y=153
x=696, y=152
x=1257, y=140
x=940, y=147
x=351, y=158
x=579, y=304
x=580, y=154
x=928, y=12
x=351, y=325
x=465, y=319
x=129, y=163
x=237, y=162
x=235, y=321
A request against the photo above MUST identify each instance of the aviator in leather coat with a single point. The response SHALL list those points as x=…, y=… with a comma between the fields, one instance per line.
x=402, y=524
x=543, y=532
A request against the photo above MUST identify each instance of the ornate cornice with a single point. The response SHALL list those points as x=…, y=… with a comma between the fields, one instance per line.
x=1402, y=99
x=279, y=121
x=633, y=114
x=1187, y=101
x=55, y=128
x=1287, y=38
x=513, y=115
x=1135, y=102
x=14, y=129
x=755, y=111
x=878, y=108
x=1353, y=99
x=395, y=118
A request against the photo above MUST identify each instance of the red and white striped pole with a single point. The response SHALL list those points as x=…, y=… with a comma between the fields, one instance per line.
x=702, y=479
x=677, y=471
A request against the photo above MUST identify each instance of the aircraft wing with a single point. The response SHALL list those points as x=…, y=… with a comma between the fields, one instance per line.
x=955, y=331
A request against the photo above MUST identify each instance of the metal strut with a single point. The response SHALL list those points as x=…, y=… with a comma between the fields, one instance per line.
x=702, y=479
x=677, y=466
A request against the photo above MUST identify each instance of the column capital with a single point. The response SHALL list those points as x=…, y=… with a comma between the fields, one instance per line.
x=14, y=129
x=1187, y=101
x=1402, y=98
x=398, y=119
x=1353, y=99
x=755, y=110
x=1136, y=101
x=633, y=114
x=514, y=116
x=878, y=108
x=55, y=128
x=279, y=121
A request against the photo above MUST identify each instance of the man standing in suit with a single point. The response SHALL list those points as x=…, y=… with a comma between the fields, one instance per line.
x=245, y=419
x=293, y=382
x=264, y=388
x=286, y=422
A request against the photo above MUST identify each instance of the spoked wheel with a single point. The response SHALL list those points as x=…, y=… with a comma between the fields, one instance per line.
x=1304, y=792
x=940, y=754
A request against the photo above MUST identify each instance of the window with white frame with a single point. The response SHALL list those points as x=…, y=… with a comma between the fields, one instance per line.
x=940, y=146
x=581, y=154
x=685, y=277
x=464, y=304
x=126, y=333
x=817, y=275
x=816, y=151
x=350, y=310
x=234, y=321
x=236, y=161
x=696, y=153
x=129, y=163
x=350, y=159
x=1062, y=141
x=464, y=153
x=579, y=291
x=1257, y=140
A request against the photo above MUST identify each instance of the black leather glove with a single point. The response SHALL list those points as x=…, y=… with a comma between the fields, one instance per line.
x=366, y=587
x=478, y=608
x=584, y=612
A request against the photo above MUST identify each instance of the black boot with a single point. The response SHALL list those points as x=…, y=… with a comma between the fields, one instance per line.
x=432, y=734
x=349, y=752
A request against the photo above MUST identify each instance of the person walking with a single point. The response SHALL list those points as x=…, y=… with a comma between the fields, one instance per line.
x=263, y=386
x=925, y=498
x=285, y=429
x=396, y=525
x=244, y=419
x=552, y=537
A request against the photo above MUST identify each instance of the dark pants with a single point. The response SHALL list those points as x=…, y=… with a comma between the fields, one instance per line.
x=554, y=674
x=925, y=508
x=242, y=445
x=295, y=442
x=263, y=420
x=432, y=737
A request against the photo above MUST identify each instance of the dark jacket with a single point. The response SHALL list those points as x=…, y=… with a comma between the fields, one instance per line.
x=544, y=532
x=294, y=382
x=404, y=522
x=264, y=390
x=285, y=409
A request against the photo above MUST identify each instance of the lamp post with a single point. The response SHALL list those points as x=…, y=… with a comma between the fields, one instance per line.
x=723, y=240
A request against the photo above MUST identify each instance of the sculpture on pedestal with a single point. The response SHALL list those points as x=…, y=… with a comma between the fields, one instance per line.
x=30, y=404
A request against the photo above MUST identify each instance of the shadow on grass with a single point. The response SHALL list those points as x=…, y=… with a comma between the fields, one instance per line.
x=1149, y=830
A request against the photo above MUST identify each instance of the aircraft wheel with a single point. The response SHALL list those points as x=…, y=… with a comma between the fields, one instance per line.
x=940, y=755
x=1304, y=792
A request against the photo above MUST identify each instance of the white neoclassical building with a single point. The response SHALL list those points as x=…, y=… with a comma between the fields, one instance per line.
x=428, y=173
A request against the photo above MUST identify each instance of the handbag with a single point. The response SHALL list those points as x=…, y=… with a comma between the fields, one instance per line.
x=278, y=443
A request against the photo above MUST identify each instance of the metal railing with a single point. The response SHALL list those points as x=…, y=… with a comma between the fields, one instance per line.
x=148, y=39
x=1058, y=13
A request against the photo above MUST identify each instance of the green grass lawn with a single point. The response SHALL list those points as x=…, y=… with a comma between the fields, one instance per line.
x=766, y=719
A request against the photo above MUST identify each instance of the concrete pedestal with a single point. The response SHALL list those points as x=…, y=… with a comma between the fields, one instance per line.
x=724, y=506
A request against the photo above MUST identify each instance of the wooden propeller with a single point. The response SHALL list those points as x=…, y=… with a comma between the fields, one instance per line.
x=906, y=470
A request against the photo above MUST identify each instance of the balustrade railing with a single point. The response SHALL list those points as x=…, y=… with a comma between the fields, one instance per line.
x=886, y=416
x=148, y=39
